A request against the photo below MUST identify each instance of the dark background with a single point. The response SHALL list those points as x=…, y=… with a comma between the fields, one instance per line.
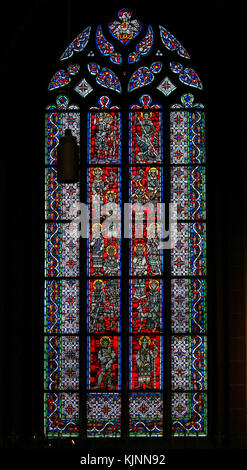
x=34, y=36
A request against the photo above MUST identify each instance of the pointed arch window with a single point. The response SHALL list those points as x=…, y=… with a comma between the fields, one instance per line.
x=125, y=303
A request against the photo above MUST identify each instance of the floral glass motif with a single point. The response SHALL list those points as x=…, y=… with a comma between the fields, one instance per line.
x=189, y=254
x=189, y=305
x=108, y=79
x=126, y=29
x=166, y=86
x=187, y=101
x=187, y=131
x=188, y=191
x=73, y=69
x=143, y=47
x=93, y=68
x=143, y=76
x=106, y=48
x=62, y=250
x=77, y=45
x=62, y=78
x=105, y=77
x=188, y=76
x=171, y=43
x=62, y=101
x=83, y=88
x=188, y=363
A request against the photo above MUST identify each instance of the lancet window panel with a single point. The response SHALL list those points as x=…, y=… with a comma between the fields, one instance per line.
x=189, y=274
x=146, y=354
x=61, y=292
x=104, y=367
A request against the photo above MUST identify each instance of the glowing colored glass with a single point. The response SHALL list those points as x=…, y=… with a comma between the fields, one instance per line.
x=146, y=302
x=56, y=123
x=146, y=284
x=103, y=368
x=143, y=47
x=104, y=137
x=61, y=306
x=189, y=414
x=145, y=415
x=187, y=75
x=145, y=144
x=188, y=305
x=61, y=414
x=62, y=200
x=61, y=362
x=104, y=415
x=126, y=29
x=143, y=76
x=106, y=48
x=77, y=45
x=171, y=43
x=103, y=305
x=146, y=362
x=188, y=259
x=83, y=88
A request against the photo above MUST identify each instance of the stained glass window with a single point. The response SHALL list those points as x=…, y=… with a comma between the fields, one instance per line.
x=125, y=265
